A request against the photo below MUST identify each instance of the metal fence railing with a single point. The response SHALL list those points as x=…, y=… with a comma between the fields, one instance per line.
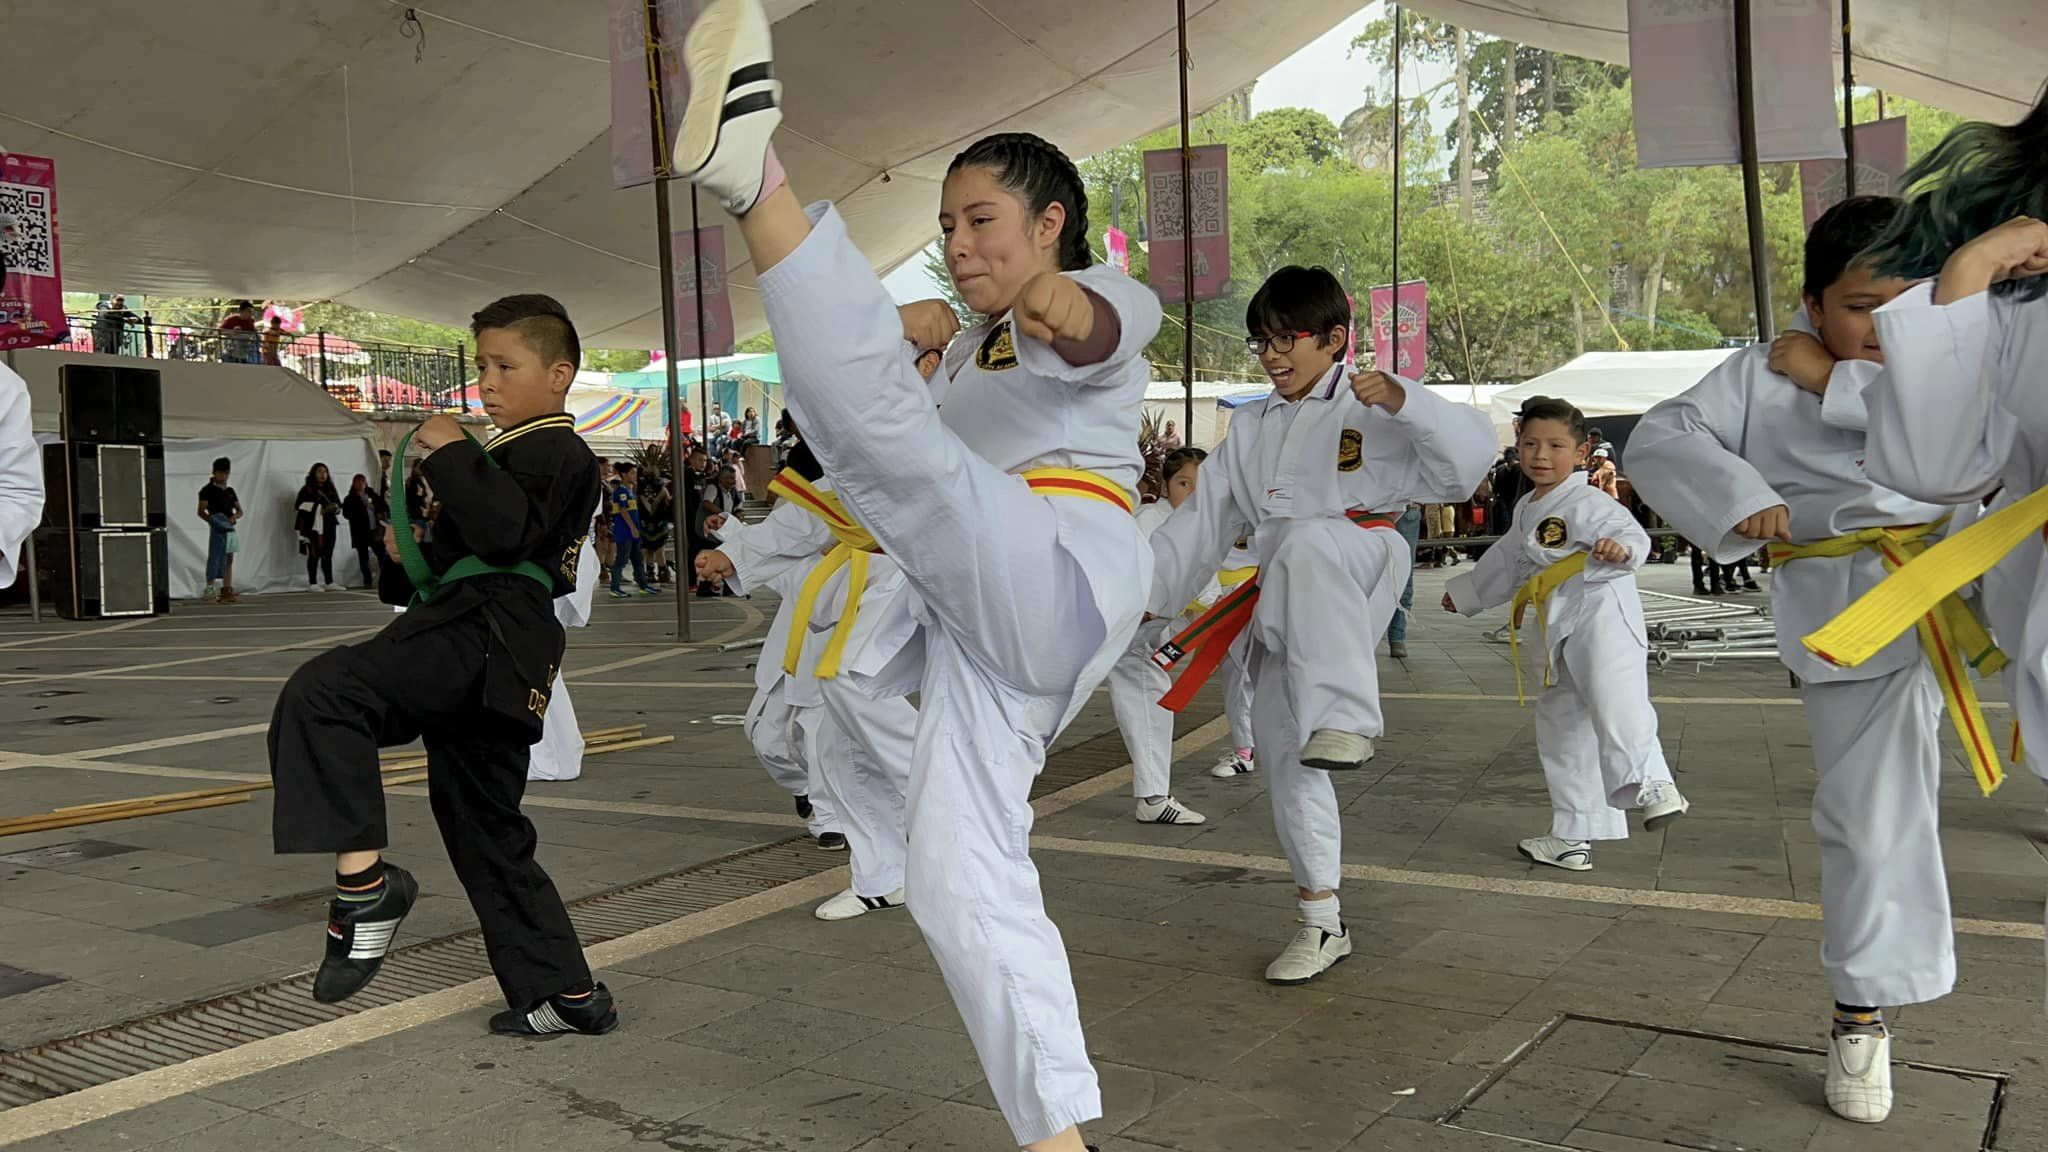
x=366, y=375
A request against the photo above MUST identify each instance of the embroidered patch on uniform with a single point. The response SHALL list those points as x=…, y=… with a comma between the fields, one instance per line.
x=1350, y=451
x=1551, y=532
x=1244, y=543
x=998, y=352
x=573, y=559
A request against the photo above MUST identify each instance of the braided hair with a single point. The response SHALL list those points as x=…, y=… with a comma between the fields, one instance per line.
x=1040, y=175
x=1980, y=176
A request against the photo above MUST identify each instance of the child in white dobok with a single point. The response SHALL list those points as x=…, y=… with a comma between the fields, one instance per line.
x=1240, y=759
x=1315, y=475
x=1770, y=447
x=1571, y=553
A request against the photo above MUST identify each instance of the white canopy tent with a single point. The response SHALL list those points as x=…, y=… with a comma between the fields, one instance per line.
x=287, y=149
x=271, y=423
x=1609, y=384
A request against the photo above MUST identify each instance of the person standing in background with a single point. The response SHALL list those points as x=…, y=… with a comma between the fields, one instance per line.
x=110, y=327
x=318, y=513
x=360, y=510
x=220, y=508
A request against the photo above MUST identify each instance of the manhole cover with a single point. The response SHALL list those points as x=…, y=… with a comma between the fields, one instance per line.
x=69, y=852
x=1597, y=1084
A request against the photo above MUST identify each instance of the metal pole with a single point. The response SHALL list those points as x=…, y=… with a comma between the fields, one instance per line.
x=1848, y=111
x=1752, y=188
x=1187, y=236
x=1395, y=278
x=703, y=371
x=665, y=245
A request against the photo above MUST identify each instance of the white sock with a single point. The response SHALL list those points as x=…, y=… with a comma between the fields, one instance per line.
x=1154, y=799
x=1325, y=914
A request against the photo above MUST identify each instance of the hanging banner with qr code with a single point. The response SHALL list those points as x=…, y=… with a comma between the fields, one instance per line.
x=1400, y=327
x=1209, y=172
x=702, y=265
x=1880, y=161
x=31, y=275
x=632, y=119
x=1682, y=65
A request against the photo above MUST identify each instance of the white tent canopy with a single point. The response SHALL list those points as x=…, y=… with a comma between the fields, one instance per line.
x=271, y=423
x=1609, y=383
x=286, y=149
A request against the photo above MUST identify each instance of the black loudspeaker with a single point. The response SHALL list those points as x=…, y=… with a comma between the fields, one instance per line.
x=111, y=405
x=91, y=485
x=94, y=574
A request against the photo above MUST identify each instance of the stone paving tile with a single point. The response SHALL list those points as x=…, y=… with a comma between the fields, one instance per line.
x=390, y=1100
x=646, y=1085
x=802, y=1109
x=1539, y=1100
x=1202, y=1023
x=143, y=1128
x=783, y=1032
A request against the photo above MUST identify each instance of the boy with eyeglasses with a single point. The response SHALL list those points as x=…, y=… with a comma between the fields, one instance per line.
x=1316, y=475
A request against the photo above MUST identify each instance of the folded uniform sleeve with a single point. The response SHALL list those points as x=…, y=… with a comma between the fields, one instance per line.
x=1937, y=430
x=1685, y=461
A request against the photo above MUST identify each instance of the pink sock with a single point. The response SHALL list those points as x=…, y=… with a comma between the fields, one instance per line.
x=1244, y=753
x=772, y=176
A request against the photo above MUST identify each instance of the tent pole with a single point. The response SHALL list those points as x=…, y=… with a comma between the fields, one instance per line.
x=1187, y=238
x=665, y=246
x=1848, y=111
x=1752, y=186
x=1395, y=277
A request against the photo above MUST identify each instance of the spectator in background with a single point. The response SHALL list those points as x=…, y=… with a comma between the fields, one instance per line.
x=1169, y=439
x=318, y=510
x=359, y=508
x=384, y=480
x=601, y=524
x=624, y=505
x=273, y=340
x=238, y=335
x=221, y=509
x=1409, y=525
x=750, y=427
x=110, y=327
x=657, y=523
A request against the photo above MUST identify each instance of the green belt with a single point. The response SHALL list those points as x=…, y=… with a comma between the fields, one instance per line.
x=426, y=585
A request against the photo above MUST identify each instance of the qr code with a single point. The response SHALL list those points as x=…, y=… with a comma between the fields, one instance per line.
x=1208, y=203
x=25, y=236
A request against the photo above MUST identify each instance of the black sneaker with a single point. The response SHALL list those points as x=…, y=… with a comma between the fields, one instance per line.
x=359, y=936
x=832, y=841
x=594, y=1015
x=803, y=807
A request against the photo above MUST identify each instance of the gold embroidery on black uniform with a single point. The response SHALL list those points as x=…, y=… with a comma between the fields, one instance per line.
x=998, y=352
x=1350, y=451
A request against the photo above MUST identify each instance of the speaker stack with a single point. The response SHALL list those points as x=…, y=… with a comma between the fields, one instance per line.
x=103, y=549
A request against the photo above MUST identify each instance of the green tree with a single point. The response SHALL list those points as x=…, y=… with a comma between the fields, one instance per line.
x=1284, y=138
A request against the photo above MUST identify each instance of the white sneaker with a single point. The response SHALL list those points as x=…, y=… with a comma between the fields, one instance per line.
x=1167, y=811
x=1570, y=855
x=1311, y=953
x=735, y=102
x=1661, y=803
x=1860, y=1076
x=1230, y=765
x=849, y=904
x=1335, y=751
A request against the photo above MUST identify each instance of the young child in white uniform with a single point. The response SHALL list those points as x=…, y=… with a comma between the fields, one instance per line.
x=1009, y=512
x=1136, y=683
x=559, y=755
x=1771, y=447
x=1571, y=553
x=1315, y=476
x=1239, y=759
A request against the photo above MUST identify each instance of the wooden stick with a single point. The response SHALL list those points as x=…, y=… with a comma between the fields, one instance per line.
x=49, y=822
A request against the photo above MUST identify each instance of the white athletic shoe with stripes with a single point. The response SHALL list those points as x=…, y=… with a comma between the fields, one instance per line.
x=849, y=904
x=1859, y=1085
x=1661, y=803
x=1570, y=855
x=1168, y=811
x=735, y=103
x=1231, y=765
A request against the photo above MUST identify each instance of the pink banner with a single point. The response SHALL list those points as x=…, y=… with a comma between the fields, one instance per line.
x=632, y=121
x=703, y=266
x=1209, y=177
x=1400, y=328
x=31, y=274
x=1116, y=243
x=1880, y=161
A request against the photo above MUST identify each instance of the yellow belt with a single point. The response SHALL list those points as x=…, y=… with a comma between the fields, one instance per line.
x=855, y=544
x=1229, y=578
x=1537, y=591
x=1920, y=591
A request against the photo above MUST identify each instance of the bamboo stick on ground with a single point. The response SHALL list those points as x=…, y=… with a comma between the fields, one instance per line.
x=48, y=822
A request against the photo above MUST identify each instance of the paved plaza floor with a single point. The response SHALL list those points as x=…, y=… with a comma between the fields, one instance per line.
x=1670, y=998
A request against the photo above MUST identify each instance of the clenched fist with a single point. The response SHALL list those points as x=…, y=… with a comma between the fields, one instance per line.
x=929, y=325
x=1053, y=308
x=437, y=430
x=1804, y=359
x=2014, y=250
x=1610, y=551
x=715, y=566
x=1770, y=524
x=1373, y=387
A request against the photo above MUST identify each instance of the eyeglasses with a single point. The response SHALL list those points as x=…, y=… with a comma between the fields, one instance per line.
x=1282, y=342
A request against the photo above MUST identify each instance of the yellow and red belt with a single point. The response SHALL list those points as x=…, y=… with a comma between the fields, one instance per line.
x=855, y=544
x=1921, y=590
x=1209, y=638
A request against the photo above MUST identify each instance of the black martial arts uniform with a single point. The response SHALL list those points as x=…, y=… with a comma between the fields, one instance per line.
x=469, y=673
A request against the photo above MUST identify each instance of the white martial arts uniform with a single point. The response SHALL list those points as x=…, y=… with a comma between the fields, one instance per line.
x=1135, y=685
x=1026, y=598
x=1744, y=440
x=559, y=755
x=21, y=473
x=775, y=714
x=1596, y=731
x=858, y=725
x=1286, y=475
x=1236, y=671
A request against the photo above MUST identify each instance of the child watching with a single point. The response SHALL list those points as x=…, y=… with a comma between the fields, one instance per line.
x=1571, y=552
x=221, y=509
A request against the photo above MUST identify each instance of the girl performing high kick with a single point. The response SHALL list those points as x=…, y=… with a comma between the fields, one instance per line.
x=1009, y=513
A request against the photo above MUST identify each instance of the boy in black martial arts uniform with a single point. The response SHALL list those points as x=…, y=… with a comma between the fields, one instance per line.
x=468, y=671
